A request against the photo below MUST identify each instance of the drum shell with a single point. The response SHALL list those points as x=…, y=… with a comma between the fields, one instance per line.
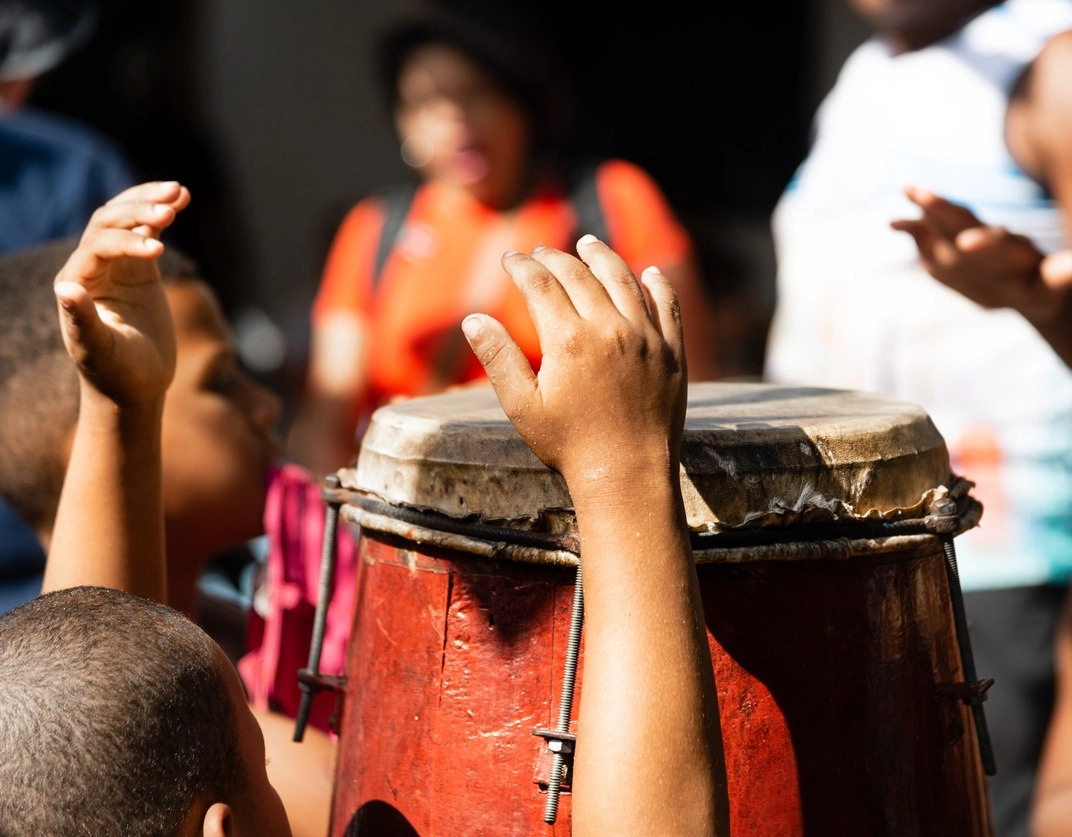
x=830, y=661
x=828, y=674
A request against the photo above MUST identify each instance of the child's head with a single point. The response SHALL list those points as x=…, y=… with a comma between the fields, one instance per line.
x=218, y=435
x=120, y=716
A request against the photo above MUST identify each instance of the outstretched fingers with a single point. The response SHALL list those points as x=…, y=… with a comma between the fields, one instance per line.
x=84, y=334
x=664, y=310
x=506, y=366
x=615, y=276
x=164, y=195
x=948, y=218
x=125, y=228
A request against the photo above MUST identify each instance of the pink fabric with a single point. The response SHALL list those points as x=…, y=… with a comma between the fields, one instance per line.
x=281, y=620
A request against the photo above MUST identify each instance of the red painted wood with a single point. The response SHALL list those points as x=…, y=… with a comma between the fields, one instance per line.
x=826, y=672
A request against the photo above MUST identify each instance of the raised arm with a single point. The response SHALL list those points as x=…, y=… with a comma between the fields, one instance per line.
x=1051, y=814
x=1000, y=268
x=607, y=411
x=994, y=267
x=117, y=327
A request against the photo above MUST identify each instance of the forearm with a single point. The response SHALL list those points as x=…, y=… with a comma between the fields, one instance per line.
x=1052, y=815
x=1055, y=324
x=303, y=773
x=646, y=657
x=109, y=528
x=322, y=437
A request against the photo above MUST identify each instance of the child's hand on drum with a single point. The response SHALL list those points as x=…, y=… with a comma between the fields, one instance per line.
x=115, y=317
x=609, y=398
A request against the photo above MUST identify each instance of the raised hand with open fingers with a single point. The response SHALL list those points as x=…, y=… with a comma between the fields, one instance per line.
x=114, y=315
x=989, y=265
x=613, y=372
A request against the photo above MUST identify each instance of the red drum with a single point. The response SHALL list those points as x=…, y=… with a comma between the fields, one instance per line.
x=817, y=519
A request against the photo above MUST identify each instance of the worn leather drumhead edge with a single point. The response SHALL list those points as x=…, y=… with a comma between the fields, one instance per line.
x=753, y=454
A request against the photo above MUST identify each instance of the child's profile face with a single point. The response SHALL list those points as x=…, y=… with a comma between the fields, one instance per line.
x=260, y=811
x=218, y=434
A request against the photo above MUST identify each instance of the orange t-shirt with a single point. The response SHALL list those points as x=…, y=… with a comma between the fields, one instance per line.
x=446, y=265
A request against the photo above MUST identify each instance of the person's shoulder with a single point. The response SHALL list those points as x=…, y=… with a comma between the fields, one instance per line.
x=617, y=177
x=1047, y=95
x=1055, y=57
x=615, y=173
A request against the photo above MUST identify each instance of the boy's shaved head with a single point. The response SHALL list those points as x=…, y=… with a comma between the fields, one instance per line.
x=114, y=717
x=38, y=381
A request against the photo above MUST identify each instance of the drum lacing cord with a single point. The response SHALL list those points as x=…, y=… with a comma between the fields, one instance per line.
x=973, y=691
x=835, y=530
x=944, y=521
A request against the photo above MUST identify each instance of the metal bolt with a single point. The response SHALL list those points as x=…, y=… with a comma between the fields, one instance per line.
x=565, y=704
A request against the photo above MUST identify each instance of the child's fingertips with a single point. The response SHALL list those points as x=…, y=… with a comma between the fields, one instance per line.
x=587, y=239
x=473, y=327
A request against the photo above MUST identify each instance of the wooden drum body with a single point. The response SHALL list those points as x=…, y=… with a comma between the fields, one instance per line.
x=826, y=600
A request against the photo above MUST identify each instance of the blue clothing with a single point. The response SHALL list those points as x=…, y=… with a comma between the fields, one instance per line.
x=22, y=561
x=54, y=172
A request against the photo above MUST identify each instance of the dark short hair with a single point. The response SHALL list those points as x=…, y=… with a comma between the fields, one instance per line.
x=509, y=48
x=38, y=381
x=115, y=717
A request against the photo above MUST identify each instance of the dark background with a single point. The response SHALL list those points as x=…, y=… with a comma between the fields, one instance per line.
x=266, y=111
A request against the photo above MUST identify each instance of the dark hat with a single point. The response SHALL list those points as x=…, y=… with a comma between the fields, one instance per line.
x=506, y=42
x=36, y=35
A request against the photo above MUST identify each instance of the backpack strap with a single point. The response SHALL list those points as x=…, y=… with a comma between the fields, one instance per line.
x=397, y=200
x=584, y=197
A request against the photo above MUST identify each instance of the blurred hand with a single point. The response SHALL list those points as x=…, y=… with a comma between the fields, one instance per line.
x=989, y=265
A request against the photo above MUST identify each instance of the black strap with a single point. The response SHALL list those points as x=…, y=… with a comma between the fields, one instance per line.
x=397, y=200
x=584, y=196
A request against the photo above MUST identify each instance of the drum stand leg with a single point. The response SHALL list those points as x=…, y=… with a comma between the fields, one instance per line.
x=973, y=691
x=560, y=741
x=309, y=679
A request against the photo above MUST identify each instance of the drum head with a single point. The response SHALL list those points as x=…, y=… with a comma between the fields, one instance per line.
x=752, y=454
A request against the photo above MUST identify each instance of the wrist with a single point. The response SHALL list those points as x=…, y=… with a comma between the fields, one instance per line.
x=101, y=411
x=618, y=490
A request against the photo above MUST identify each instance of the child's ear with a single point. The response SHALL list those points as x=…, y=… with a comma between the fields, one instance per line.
x=218, y=821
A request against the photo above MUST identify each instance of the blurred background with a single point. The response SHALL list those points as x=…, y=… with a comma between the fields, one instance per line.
x=267, y=110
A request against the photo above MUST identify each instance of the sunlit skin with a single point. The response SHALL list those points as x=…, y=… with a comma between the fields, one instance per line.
x=218, y=441
x=462, y=128
x=259, y=810
x=158, y=361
